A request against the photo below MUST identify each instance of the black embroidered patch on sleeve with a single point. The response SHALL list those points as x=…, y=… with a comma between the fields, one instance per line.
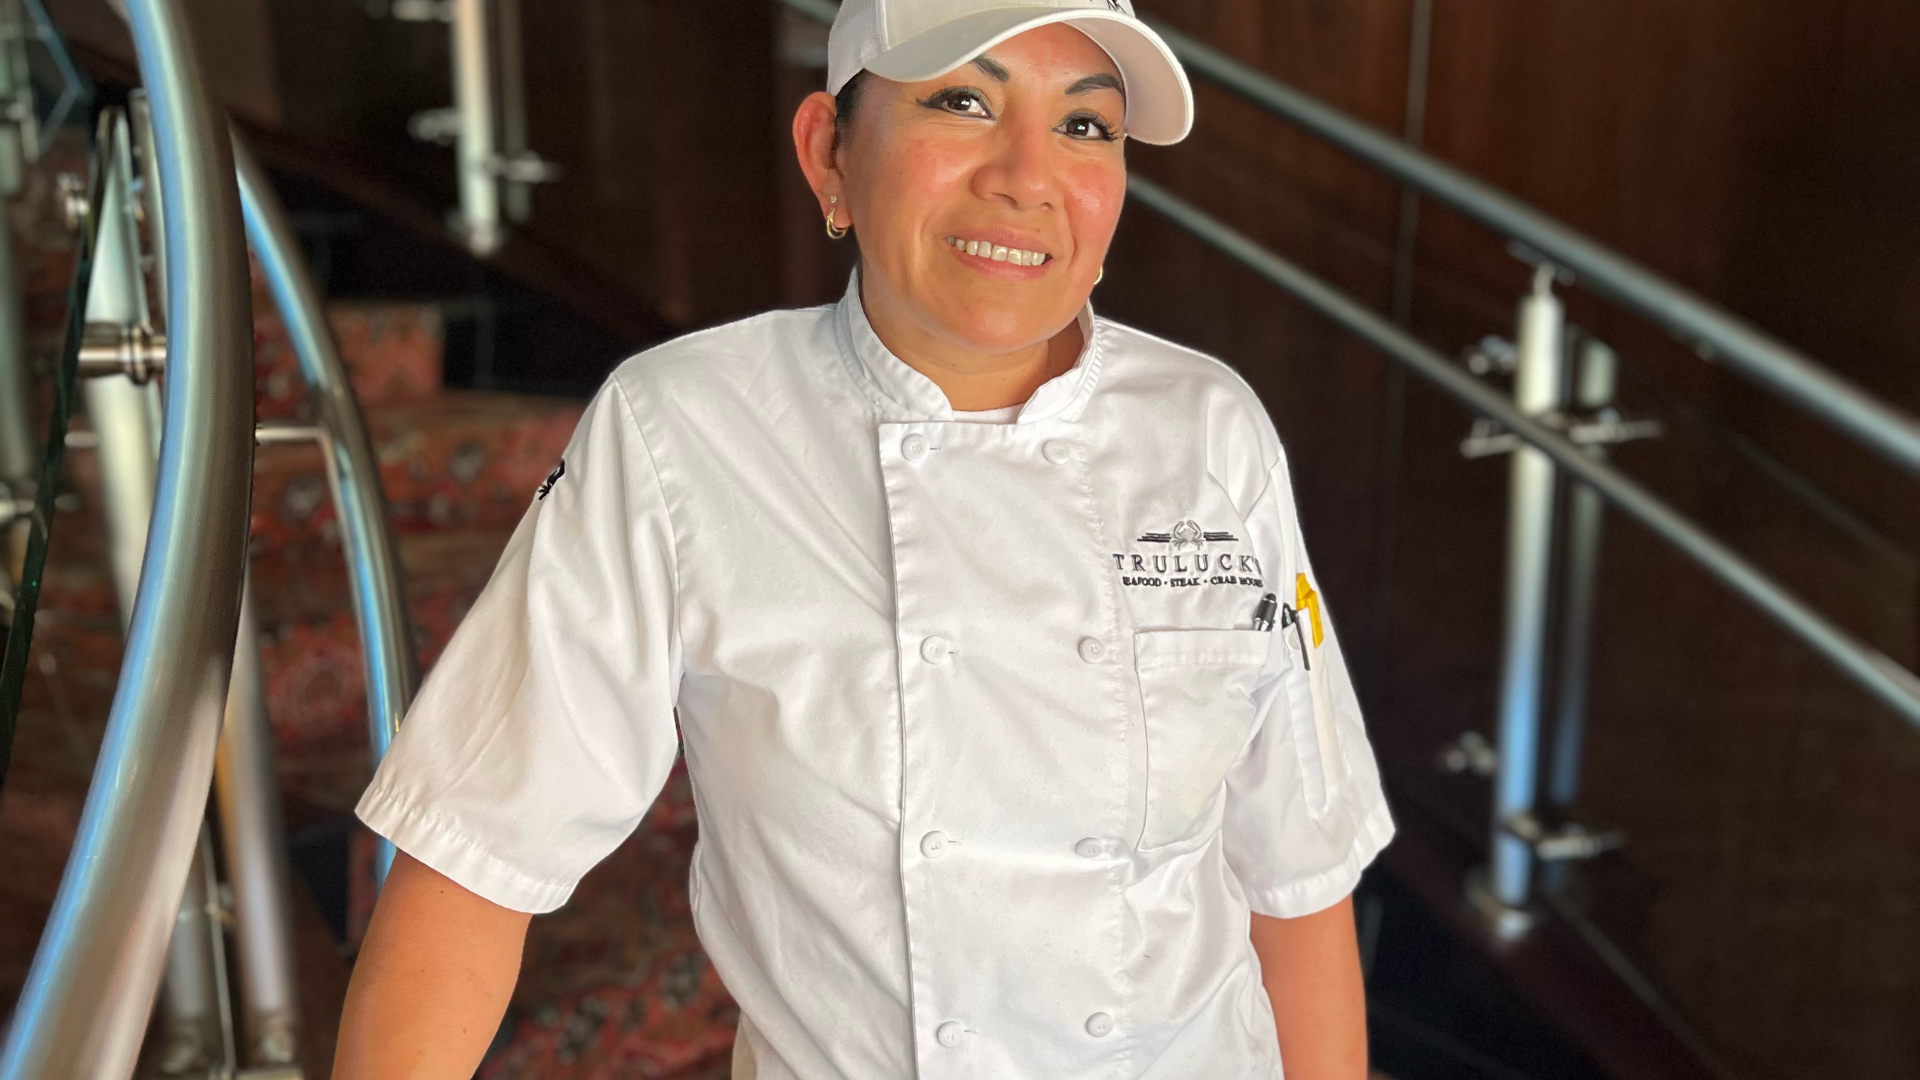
x=553, y=478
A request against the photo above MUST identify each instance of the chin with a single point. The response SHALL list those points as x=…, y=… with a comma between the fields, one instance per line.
x=998, y=327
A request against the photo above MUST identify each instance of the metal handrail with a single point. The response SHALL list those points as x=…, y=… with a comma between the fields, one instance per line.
x=1873, y=670
x=85, y=1007
x=379, y=599
x=1789, y=373
x=1894, y=685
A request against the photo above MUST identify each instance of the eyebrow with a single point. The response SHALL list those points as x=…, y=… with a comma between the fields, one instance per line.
x=997, y=71
x=994, y=69
x=1102, y=81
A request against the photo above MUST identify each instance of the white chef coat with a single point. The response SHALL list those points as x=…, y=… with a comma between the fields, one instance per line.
x=989, y=762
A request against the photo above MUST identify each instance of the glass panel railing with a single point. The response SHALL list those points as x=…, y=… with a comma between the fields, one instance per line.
x=41, y=86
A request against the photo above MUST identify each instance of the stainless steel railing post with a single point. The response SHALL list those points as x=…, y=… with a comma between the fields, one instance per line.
x=475, y=149
x=195, y=1029
x=253, y=838
x=379, y=594
x=1595, y=375
x=17, y=457
x=85, y=1007
x=1530, y=521
x=17, y=453
x=125, y=415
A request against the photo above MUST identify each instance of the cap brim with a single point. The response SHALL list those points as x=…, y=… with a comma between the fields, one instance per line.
x=1159, y=99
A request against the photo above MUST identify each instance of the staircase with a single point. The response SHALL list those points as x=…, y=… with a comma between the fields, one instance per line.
x=615, y=984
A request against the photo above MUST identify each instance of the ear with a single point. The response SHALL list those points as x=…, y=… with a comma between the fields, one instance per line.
x=813, y=142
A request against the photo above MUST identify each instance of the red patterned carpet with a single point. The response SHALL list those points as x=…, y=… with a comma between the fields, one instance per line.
x=615, y=984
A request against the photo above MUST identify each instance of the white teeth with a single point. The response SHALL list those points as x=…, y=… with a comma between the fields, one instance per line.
x=999, y=253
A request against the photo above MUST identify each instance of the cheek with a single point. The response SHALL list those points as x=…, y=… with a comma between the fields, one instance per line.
x=918, y=176
x=1095, y=192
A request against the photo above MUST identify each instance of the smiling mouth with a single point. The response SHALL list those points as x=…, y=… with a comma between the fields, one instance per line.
x=999, y=253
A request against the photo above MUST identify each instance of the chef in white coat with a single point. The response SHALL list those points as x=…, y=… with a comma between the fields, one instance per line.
x=1021, y=738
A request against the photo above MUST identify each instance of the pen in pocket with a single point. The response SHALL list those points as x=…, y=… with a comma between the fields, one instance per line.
x=1291, y=618
x=1263, y=615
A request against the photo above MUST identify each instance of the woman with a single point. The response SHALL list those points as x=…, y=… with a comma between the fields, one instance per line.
x=967, y=604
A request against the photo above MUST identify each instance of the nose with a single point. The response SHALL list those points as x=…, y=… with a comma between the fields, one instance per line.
x=1019, y=173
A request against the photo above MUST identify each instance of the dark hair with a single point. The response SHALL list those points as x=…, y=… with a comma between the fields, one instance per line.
x=844, y=103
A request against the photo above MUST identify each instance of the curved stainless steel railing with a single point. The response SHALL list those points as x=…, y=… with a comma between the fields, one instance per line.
x=379, y=601
x=1718, y=335
x=85, y=1007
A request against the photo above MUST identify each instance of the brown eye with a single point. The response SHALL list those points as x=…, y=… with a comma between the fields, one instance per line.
x=1086, y=127
x=959, y=101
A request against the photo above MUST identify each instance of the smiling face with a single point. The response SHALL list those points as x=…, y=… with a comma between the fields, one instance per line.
x=983, y=200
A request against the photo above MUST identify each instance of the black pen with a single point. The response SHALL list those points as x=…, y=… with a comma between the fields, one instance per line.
x=1298, y=621
x=1263, y=615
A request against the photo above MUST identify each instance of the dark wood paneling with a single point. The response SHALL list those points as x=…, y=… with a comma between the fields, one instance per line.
x=234, y=39
x=1763, y=155
x=1751, y=152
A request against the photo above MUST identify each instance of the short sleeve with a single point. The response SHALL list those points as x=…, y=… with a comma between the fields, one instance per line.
x=1304, y=813
x=546, y=729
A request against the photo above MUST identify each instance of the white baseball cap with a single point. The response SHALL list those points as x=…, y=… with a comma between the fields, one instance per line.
x=910, y=40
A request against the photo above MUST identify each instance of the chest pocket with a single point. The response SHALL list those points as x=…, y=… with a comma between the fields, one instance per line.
x=1196, y=689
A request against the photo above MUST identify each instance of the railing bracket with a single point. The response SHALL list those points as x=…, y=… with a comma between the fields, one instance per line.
x=16, y=501
x=1508, y=923
x=282, y=432
x=1559, y=835
x=1471, y=753
x=73, y=200
x=138, y=352
x=1603, y=428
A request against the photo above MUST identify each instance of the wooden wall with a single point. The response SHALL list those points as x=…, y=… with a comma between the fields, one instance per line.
x=1762, y=154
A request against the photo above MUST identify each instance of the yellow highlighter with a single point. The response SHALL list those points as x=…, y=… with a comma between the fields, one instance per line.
x=1305, y=599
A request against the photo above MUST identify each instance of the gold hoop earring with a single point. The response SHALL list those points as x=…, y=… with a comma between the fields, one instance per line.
x=1097, y=278
x=834, y=232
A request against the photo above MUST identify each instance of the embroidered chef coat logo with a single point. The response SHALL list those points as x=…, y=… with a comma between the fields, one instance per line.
x=546, y=486
x=1185, y=560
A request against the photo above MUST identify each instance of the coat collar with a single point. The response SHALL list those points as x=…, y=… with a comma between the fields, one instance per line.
x=905, y=395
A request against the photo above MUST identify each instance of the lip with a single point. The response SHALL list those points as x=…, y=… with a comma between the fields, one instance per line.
x=1000, y=237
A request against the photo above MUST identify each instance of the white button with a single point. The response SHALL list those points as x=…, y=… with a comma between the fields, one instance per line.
x=1099, y=1024
x=1090, y=848
x=1057, y=452
x=947, y=1034
x=934, y=844
x=935, y=650
x=913, y=447
x=1092, y=650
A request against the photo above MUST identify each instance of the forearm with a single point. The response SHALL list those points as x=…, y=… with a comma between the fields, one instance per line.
x=1311, y=968
x=431, y=983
